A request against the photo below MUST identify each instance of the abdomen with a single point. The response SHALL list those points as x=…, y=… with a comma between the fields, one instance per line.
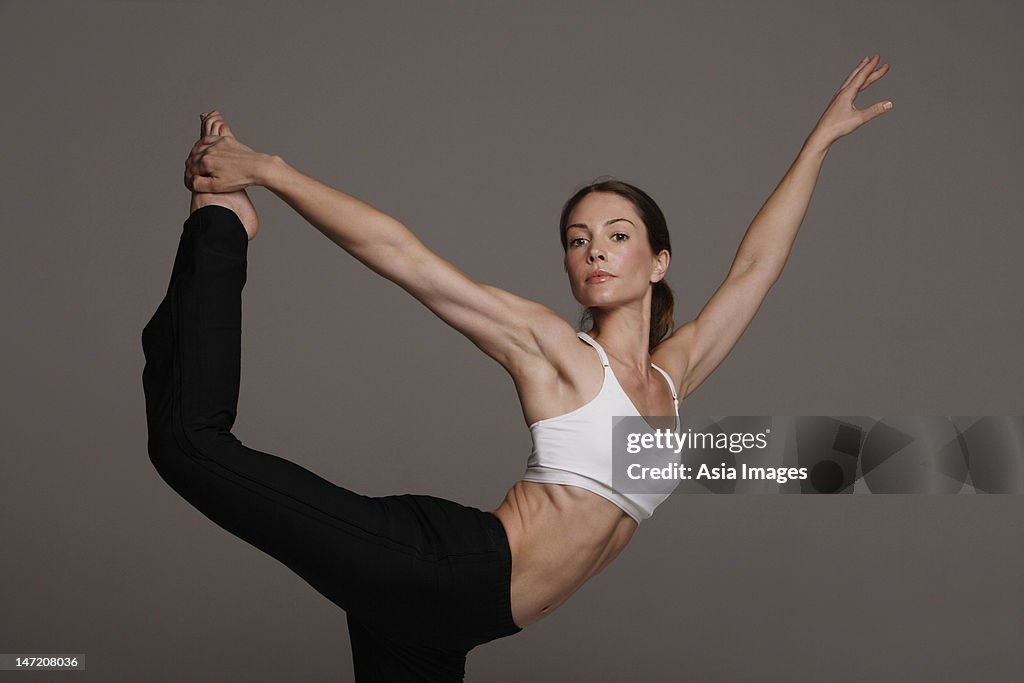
x=560, y=536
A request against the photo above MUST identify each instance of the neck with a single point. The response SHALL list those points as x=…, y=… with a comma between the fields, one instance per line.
x=625, y=334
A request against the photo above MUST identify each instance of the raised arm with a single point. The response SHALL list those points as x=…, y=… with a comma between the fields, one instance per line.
x=698, y=347
x=504, y=326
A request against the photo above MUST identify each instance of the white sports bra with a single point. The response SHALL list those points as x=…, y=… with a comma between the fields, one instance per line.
x=576, y=448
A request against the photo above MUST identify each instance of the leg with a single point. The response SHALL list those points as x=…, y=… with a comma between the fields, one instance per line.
x=425, y=579
x=333, y=538
x=379, y=657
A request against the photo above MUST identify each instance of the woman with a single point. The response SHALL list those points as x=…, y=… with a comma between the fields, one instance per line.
x=424, y=580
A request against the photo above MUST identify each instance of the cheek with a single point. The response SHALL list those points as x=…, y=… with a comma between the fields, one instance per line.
x=572, y=262
x=636, y=260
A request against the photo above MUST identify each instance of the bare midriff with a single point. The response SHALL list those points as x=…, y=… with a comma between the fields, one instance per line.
x=560, y=536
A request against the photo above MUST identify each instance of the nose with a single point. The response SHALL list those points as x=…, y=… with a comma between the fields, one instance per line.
x=595, y=254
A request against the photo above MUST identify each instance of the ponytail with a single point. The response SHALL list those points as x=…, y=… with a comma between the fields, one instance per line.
x=662, y=307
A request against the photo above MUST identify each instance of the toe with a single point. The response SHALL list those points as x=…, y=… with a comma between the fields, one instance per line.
x=210, y=123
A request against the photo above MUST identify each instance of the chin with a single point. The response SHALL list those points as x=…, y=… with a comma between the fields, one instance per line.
x=597, y=303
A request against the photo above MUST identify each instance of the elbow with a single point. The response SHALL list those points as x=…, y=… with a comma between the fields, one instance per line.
x=388, y=242
x=398, y=239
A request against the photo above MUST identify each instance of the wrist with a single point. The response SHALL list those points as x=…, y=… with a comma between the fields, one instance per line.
x=816, y=145
x=270, y=170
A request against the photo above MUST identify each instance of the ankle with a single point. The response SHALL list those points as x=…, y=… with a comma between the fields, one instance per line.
x=199, y=200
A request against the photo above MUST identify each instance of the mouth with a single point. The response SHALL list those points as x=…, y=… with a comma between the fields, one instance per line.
x=599, y=276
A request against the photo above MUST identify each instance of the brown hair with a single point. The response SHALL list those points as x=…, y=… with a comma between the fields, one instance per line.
x=662, y=301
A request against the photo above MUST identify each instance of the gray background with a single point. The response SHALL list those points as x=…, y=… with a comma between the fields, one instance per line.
x=472, y=123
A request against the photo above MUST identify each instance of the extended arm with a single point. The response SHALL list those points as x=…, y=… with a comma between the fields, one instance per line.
x=504, y=326
x=698, y=347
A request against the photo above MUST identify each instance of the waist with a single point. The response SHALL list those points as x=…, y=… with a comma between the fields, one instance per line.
x=560, y=536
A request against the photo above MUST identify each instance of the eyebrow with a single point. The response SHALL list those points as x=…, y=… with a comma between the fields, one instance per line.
x=608, y=222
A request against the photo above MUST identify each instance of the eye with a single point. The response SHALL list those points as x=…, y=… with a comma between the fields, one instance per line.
x=620, y=237
x=577, y=241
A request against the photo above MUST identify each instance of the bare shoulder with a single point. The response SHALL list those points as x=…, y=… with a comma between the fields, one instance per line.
x=555, y=372
x=547, y=341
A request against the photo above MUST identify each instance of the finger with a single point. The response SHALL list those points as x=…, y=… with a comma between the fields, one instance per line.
x=874, y=111
x=853, y=73
x=862, y=74
x=203, y=184
x=190, y=181
x=194, y=175
x=199, y=163
x=192, y=165
x=878, y=73
x=190, y=171
x=201, y=177
x=225, y=131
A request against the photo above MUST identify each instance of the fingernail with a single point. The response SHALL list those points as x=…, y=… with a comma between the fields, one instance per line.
x=887, y=106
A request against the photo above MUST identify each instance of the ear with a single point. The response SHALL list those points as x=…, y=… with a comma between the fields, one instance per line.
x=660, y=265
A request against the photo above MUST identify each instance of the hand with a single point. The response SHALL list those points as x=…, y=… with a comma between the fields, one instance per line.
x=841, y=117
x=219, y=162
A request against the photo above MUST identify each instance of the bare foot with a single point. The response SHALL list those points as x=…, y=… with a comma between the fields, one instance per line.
x=239, y=202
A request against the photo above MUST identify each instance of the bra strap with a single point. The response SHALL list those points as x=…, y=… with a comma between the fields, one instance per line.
x=671, y=384
x=672, y=388
x=600, y=352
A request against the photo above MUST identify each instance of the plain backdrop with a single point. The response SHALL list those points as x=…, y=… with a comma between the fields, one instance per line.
x=472, y=123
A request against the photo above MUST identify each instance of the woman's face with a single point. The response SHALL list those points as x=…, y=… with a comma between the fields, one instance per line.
x=608, y=257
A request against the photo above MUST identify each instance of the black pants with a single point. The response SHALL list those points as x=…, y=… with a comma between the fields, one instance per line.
x=423, y=580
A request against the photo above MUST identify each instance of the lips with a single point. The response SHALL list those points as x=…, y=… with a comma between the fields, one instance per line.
x=599, y=276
